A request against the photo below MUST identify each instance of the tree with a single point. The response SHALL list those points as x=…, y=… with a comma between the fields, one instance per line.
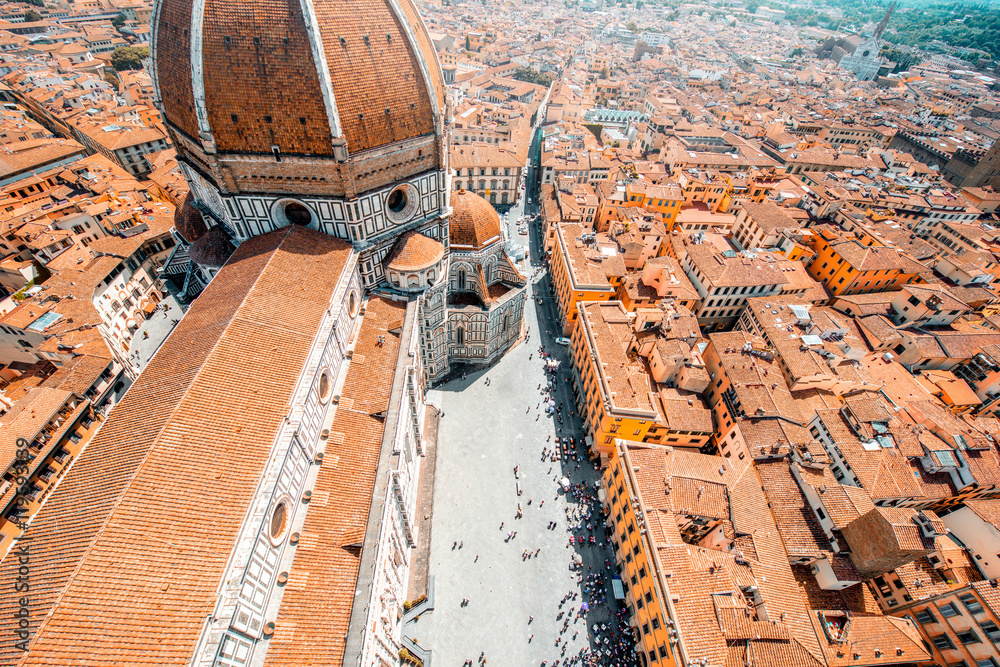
x=797, y=52
x=129, y=57
x=118, y=21
x=31, y=16
x=604, y=73
x=112, y=78
x=632, y=26
x=532, y=76
x=468, y=43
x=752, y=7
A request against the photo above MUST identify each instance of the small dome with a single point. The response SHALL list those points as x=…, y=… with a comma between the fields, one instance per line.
x=188, y=221
x=474, y=222
x=212, y=249
x=414, y=252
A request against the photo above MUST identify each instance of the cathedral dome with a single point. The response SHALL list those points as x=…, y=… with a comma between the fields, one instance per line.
x=414, y=252
x=264, y=77
x=188, y=221
x=212, y=250
x=474, y=221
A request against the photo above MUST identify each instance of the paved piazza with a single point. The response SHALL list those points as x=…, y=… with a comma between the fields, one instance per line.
x=492, y=422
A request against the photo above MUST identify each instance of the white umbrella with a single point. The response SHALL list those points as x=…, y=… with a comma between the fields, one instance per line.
x=552, y=404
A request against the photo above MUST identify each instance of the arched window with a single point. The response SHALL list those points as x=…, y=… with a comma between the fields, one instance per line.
x=458, y=185
x=506, y=321
x=460, y=336
x=493, y=198
x=482, y=184
x=493, y=184
x=412, y=280
x=461, y=279
x=503, y=198
x=506, y=185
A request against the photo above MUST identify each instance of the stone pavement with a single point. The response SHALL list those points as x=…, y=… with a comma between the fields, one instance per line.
x=492, y=422
x=158, y=326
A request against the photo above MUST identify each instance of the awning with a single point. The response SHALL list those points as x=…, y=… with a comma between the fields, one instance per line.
x=616, y=586
x=149, y=307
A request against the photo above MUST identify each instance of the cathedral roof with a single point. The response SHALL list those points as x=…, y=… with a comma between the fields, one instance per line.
x=363, y=73
x=188, y=221
x=414, y=252
x=212, y=249
x=474, y=222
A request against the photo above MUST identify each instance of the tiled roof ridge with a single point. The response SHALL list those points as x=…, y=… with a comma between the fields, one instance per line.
x=141, y=465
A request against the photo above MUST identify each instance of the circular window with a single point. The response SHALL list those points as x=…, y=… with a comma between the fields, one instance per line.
x=298, y=214
x=279, y=519
x=324, y=387
x=352, y=304
x=402, y=203
x=397, y=200
x=865, y=54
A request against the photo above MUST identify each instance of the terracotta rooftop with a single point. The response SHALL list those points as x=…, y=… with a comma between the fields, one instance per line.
x=474, y=222
x=325, y=569
x=414, y=252
x=134, y=540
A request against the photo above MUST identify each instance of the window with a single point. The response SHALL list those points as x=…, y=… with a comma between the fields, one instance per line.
x=991, y=630
x=968, y=637
x=942, y=642
x=279, y=517
x=460, y=336
x=971, y=603
x=924, y=616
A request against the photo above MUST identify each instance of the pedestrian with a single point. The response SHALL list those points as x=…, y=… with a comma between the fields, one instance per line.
x=530, y=619
x=541, y=503
x=477, y=559
x=501, y=525
x=461, y=544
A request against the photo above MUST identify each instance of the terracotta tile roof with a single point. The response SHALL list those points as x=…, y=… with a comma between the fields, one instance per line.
x=795, y=519
x=724, y=271
x=246, y=47
x=370, y=79
x=768, y=216
x=698, y=574
x=474, y=222
x=26, y=418
x=413, y=252
x=135, y=538
x=311, y=626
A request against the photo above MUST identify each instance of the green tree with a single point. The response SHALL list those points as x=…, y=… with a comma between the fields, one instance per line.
x=31, y=16
x=797, y=52
x=752, y=7
x=112, y=78
x=468, y=43
x=532, y=76
x=604, y=73
x=632, y=26
x=118, y=21
x=129, y=57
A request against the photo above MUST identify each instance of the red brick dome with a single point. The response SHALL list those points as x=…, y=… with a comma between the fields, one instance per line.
x=213, y=249
x=474, y=221
x=188, y=221
x=414, y=252
x=362, y=74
